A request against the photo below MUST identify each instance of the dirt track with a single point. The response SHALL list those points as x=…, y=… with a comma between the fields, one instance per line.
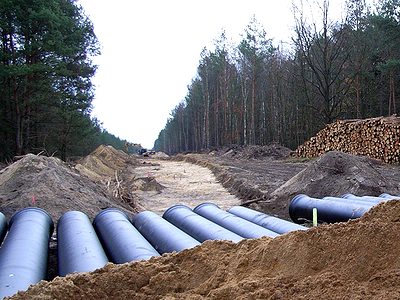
x=182, y=183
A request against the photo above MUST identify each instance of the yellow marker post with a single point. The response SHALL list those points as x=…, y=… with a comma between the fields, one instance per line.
x=315, y=216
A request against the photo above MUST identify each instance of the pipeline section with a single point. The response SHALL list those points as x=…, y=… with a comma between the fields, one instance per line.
x=197, y=226
x=122, y=242
x=370, y=199
x=78, y=249
x=23, y=255
x=389, y=197
x=329, y=211
x=164, y=236
x=231, y=222
x=3, y=227
x=272, y=223
x=364, y=202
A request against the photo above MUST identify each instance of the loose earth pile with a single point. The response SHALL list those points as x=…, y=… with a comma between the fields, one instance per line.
x=49, y=183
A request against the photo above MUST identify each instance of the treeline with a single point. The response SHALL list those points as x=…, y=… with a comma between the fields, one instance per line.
x=45, y=80
x=257, y=92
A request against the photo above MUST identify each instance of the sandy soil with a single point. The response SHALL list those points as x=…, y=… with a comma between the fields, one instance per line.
x=181, y=183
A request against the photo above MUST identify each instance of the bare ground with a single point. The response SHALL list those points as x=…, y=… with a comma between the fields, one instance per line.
x=180, y=183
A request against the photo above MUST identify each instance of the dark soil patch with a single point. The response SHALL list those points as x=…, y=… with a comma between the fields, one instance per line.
x=275, y=151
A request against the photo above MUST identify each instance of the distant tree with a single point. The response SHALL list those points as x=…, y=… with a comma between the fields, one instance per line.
x=254, y=51
x=323, y=55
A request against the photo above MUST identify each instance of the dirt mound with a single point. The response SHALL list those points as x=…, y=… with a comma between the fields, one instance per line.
x=104, y=162
x=147, y=184
x=49, y=183
x=357, y=260
x=113, y=169
x=274, y=151
x=160, y=154
x=336, y=173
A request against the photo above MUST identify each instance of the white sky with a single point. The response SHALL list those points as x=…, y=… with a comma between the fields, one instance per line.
x=151, y=50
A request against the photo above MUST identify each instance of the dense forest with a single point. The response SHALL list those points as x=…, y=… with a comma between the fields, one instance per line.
x=45, y=80
x=256, y=92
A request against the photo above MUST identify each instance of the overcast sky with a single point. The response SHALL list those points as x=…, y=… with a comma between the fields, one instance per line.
x=151, y=50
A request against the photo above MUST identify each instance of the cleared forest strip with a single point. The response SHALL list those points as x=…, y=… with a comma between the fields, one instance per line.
x=377, y=138
x=236, y=186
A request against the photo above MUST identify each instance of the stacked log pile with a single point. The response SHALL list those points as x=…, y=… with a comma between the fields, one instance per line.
x=377, y=138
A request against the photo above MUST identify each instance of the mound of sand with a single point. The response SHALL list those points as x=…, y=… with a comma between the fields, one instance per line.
x=115, y=170
x=336, y=173
x=355, y=260
x=160, y=154
x=49, y=183
x=103, y=163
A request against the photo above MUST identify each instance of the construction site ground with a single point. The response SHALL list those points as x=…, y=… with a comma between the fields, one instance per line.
x=353, y=260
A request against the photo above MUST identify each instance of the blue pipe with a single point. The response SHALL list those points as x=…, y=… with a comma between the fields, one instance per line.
x=301, y=209
x=23, y=255
x=78, y=247
x=272, y=223
x=164, y=236
x=122, y=242
x=197, y=226
x=375, y=200
x=3, y=227
x=389, y=197
x=363, y=202
x=231, y=222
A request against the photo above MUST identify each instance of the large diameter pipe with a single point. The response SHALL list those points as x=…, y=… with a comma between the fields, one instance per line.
x=389, y=197
x=164, y=236
x=231, y=222
x=301, y=209
x=363, y=202
x=272, y=223
x=79, y=249
x=374, y=200
x=197, y=226
x=122, y=242
x=23, y=255
x=3, y=227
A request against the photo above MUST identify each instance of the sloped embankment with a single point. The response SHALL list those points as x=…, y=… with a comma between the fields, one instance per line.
x=357, y=260
x=234, y=184
x=115, y=171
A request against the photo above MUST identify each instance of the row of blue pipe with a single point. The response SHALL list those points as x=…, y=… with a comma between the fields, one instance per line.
x=334, y=209
x=84, y=246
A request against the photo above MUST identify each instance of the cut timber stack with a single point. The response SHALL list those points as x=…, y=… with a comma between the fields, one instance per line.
x=377, y=138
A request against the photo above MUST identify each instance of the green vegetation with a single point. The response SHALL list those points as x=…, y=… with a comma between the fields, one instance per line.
x=45, y=80
x=257, y=93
